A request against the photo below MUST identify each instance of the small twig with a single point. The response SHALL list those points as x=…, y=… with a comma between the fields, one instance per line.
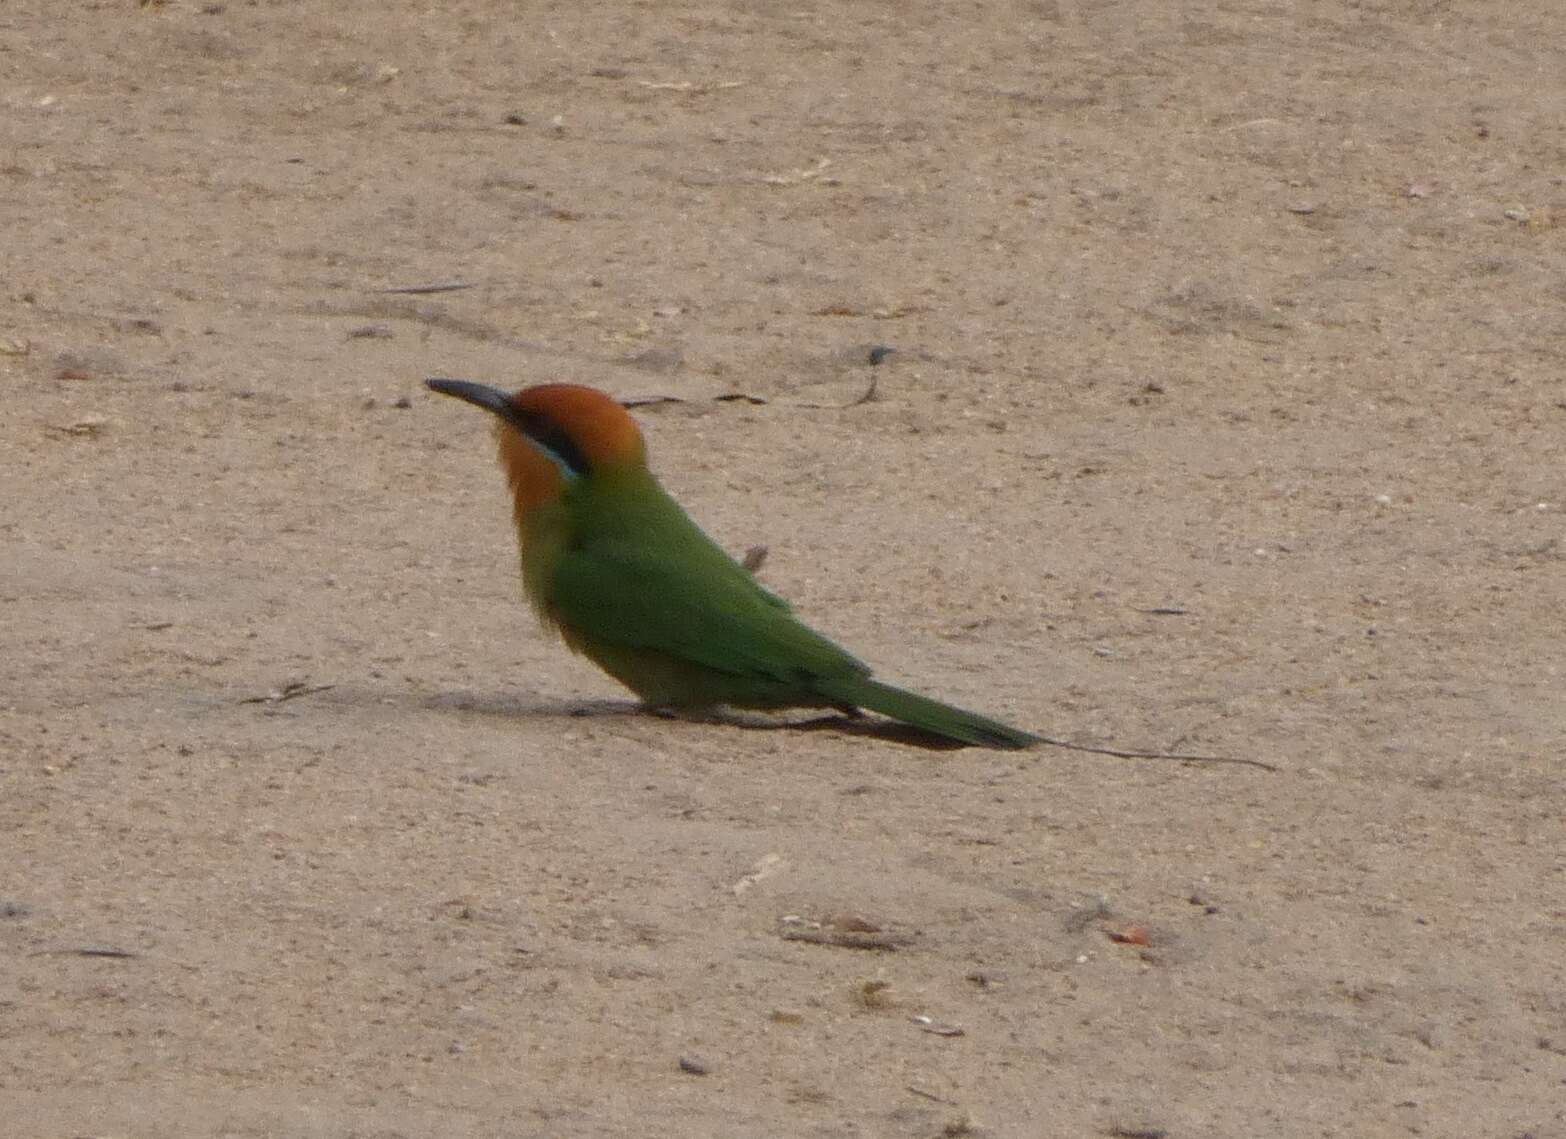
x=648, y=400
x=1182, y=757
x=434, y=287
x=654, y=400
x=685, y=86
x=845, y=938
x=918, y=1091
x=86, y=951
x=289, y=691
x=862, y=398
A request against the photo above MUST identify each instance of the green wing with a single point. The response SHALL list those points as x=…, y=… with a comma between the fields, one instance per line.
x=642, y=591
x=691, y=601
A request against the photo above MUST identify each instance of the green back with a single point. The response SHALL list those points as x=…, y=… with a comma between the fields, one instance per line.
x=636, y=572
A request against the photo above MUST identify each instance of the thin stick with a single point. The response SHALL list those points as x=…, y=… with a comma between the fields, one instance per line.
x=1120, y=753
x=290, y=691
x=85, y=951
x=844, y=938
x=433, y=287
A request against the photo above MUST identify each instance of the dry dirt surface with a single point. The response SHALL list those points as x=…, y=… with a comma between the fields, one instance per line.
x=1224, y=415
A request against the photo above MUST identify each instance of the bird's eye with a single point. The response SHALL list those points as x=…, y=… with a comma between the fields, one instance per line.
x=554, y=441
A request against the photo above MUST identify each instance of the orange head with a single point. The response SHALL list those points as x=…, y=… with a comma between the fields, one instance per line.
x=552, y=434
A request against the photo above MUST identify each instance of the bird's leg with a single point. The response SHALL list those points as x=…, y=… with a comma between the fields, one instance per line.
x=696, y=715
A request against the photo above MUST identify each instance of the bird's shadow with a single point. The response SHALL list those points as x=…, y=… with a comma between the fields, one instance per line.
x=511, y=706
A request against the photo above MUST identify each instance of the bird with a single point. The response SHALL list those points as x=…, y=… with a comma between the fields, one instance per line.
x=614, y=564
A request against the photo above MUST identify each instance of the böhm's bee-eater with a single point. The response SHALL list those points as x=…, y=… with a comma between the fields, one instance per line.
x=612, y=562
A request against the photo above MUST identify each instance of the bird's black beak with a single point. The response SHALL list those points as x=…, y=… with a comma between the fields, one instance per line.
x=535, y=427
x=490, y=399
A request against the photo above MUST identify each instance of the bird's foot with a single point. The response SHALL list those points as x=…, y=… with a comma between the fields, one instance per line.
x=675, y=712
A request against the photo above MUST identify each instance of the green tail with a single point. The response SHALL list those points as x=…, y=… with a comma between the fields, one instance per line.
x=931, y=715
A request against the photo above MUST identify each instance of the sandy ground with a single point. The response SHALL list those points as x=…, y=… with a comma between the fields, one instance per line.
x=1250, y=311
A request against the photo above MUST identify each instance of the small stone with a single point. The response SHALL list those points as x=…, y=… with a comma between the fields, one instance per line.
x=693, y=1066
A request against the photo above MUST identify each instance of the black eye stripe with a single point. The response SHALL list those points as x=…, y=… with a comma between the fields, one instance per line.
x=549, y=435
